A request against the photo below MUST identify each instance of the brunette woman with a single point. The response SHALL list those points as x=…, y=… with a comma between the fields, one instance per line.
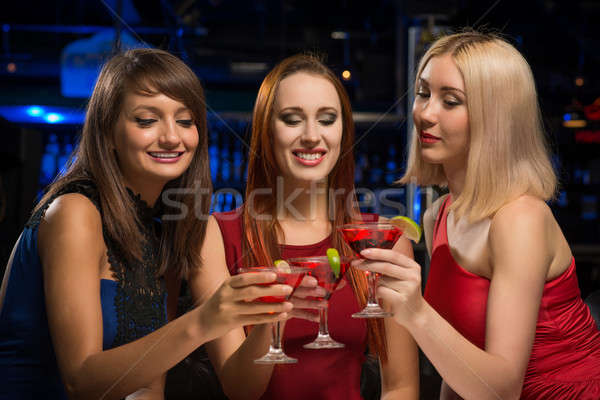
x=84, y=305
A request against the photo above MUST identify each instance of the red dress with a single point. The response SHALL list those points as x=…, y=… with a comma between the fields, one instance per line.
x=319, y=374
x=565, y=357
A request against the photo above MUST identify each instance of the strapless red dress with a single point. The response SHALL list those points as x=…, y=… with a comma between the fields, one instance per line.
x=565, y=357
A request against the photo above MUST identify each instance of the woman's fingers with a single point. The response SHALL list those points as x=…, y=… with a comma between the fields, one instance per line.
x=310, y=292
x=251, y=278
x=390, y=256
x=259, y=307
x=257, y=319
x=387, y=269
x=308, y=303
x=308, y=282
x=304, y=314
x=250, y=293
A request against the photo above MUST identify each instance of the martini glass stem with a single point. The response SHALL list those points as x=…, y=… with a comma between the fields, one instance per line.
x=372, y=285
x=276, y=342
x=323, y=328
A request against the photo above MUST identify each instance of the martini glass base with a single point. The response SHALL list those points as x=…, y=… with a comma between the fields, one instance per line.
x=372, y=311
x=324, y=342
x=275, y=356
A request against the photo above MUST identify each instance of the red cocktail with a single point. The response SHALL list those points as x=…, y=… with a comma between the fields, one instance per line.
x=367, y=235
x=328, y=279
x=291, y=276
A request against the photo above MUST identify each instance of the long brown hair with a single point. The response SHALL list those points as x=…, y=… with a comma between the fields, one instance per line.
x=148, y=72
x=260, y=241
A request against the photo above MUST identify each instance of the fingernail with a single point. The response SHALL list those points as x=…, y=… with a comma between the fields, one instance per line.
x=288, y=289
x=366, y=252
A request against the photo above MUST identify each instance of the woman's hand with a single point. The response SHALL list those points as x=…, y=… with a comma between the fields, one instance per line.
x=400, y=283
x=304, y=302
x=233, y=305
x=146, y=394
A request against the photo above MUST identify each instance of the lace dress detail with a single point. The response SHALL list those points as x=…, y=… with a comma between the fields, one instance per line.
x=141, y=295
x=86, y=188
x=140, y=299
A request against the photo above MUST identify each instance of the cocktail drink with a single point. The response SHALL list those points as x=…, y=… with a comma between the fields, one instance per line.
x=367, y=235
x=328, y=279
x=291, y=276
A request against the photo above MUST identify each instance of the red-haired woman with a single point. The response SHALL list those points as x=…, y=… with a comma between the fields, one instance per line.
x=84, y=299
x=300, y=187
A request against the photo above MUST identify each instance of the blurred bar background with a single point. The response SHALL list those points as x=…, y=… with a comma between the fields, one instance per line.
x=51, y=52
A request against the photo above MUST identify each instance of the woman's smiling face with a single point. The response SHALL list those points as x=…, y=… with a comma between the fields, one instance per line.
x=307, y=127
x=155, y=139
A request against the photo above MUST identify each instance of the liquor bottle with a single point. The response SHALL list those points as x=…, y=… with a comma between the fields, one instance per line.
x=49, y=160
x=63, y=159
x=225, y=164
x=376, y=172
x=362, y=164
x=213, y=155
x=238, y=167
x=391, y=166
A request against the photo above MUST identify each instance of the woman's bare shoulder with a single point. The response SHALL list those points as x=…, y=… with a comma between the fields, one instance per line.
x=433, y=210
x=71, y=217
x=526, y=219
x=525, y=208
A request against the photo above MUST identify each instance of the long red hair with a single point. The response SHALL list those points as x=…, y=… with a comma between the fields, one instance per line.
x=260, y=241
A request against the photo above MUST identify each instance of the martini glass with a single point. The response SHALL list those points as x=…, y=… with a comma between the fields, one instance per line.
x=320, y=269
x=367, y=235
x=288, y=276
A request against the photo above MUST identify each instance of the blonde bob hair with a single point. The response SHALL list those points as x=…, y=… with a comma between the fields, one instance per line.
x=508, y=153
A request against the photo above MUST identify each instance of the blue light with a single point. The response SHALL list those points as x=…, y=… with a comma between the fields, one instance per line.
x=53, y=118
x=35, y=111
x=567, y=117
x=417, y=204
x=42, y=114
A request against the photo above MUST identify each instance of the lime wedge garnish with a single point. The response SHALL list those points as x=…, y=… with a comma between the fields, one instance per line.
x=410, y=228
x=334, y=261
x=282, y=265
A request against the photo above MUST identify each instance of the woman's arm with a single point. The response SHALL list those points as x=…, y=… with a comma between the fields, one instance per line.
x=232, y=355
x=400, y=373
x=71, y=248
x=520, y=256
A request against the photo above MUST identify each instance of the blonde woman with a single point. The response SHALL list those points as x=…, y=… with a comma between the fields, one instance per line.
x=502, y=316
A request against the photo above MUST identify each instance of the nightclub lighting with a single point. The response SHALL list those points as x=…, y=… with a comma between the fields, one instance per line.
x=35, y=111
x=53, y=118
x=339, y=35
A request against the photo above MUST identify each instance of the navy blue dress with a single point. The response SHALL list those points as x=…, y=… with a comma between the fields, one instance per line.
x=133, y=305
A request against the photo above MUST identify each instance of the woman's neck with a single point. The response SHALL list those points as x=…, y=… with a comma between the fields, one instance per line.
x=456, y=179
x=303, y=203
x=148, y=192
